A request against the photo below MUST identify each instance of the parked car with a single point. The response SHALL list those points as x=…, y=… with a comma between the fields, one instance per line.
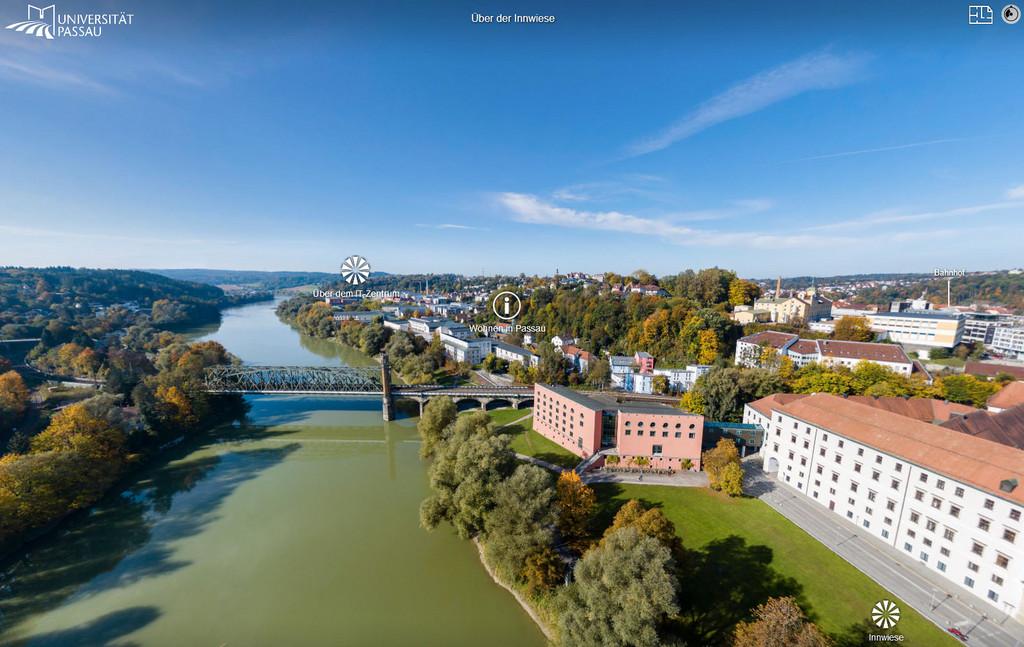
x=959, y=634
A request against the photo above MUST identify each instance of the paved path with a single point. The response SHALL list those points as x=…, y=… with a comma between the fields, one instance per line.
x=557, y=469
x=679, y=479
x=939, y=600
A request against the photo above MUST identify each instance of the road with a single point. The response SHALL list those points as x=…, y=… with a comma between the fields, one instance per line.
x=937, y=599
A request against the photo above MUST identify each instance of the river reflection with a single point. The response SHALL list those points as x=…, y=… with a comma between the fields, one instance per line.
x=298, y=527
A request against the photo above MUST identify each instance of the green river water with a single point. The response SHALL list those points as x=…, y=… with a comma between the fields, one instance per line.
x=299, y=528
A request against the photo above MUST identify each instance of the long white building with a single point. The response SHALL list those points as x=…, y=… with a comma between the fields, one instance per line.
x=951, y=500
x=937, y=329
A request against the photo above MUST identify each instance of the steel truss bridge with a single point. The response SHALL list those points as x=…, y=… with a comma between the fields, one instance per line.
x=353, y=382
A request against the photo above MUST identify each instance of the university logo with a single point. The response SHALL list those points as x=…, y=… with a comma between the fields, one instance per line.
x=41, y=22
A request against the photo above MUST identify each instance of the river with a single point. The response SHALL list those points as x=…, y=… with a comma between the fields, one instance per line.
x=299, y=528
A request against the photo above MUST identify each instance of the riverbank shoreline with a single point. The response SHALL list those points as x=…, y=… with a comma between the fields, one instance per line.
x=520, y=598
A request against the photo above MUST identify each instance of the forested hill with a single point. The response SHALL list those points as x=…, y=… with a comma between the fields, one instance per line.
x=258, y=280
x=30, y=297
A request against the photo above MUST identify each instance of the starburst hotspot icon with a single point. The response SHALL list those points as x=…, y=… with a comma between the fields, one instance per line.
x=355, y=270
x=885, y=614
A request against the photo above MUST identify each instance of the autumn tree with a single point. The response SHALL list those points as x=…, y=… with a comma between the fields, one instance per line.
x=723, y=467
x=575, y=503
x=650, y=522
x=708, y=347
x=77, y=429
x=967, y=389
x=779, y=622
x=13, y=398
x=851, y=328
x=743, y=292
x=542, y=570
x=622, y=595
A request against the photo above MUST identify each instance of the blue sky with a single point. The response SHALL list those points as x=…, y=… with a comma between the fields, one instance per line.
x=770, y=138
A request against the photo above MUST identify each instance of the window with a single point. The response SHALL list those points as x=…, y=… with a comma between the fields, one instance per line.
x=907, y=547
x=911, y=534
x=948, y=534
x=866, y=523
x=914, y=517
x=936, y=503
x=959, y=492
x=954, y=511
x=983, y=523
x=853, y=486
x=1002, y=561
x=927, y=542
x=1015, y=515
x=895, y=484
x=679, y=434
x=992, y=595
x=820, y=469
x=989, y=503
x=835, y=477
x=924, y=556
x=929, y=525
x=851, y=501
x=977, y=548
x=941, y=566
x=899, y=467
x=630, y=433
x=849, y=514
x=919, y=495
x=691, y=435
x=840, y=444
x=924, y=477
x=885, y=533
x=640, y=424
x=860, y=451
x=969, y=582
x=971, y=566
x=944, y=551
x=890, y=505
x=887, y=521
x=998, y=581
x=821, y=452
x=871, y=495
x=839, y=458
x=856, y=467
x=878, y=459
x=874, y=475
x=1009, y=535
x=940, y=484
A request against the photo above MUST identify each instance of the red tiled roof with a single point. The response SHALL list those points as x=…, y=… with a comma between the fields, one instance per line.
x=1005, y=427
x=765, y=405
x=863, y=350
x=969, y=459
x=1009, y=396
x=770, y=337
x=804, y=347
x=923, y=409
x=986, y=369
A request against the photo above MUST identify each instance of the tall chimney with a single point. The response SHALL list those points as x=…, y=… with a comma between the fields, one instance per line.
x=778, y=288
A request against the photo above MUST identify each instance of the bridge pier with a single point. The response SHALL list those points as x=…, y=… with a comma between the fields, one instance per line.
x=387, y=401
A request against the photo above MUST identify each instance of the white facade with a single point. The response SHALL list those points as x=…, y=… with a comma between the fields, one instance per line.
x=511, y=353
x=919, y=328
x=683, y=379
x=643, y=383
x=1009, y=341
x=970, y=536
x=472, y=351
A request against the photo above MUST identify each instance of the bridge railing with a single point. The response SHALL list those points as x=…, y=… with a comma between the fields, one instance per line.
x=264, y=379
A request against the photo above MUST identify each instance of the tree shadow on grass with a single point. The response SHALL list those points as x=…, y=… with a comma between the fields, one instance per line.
x=129, y=535
x=719, y=584
x=104, y=631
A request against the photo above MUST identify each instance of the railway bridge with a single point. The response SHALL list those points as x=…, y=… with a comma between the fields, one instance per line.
x=353, y=382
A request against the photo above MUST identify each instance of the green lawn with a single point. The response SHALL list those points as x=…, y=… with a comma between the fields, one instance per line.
x=953, y=362
x=527, y=441
x=751, y=551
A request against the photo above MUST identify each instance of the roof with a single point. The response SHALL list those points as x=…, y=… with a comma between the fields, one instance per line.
x=511, y=348
x=970, y=459
x=988, y=369
x=643, y=354
x=575, y=396
x=863, y=350
x=804, y=347
x=918, y=315
x=772, y=338
x=620, y=360
x=1009, y=396
x=923, y=409
x=1005, y=427
x=765, y=405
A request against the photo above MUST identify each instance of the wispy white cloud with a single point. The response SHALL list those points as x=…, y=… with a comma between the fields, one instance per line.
x=818, y=71
x=900, y=216
x=49, y=76
x=530, y=209
x=884, y=149
x=1016, y=193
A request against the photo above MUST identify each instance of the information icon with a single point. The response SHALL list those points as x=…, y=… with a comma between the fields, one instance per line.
x=507, y=305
